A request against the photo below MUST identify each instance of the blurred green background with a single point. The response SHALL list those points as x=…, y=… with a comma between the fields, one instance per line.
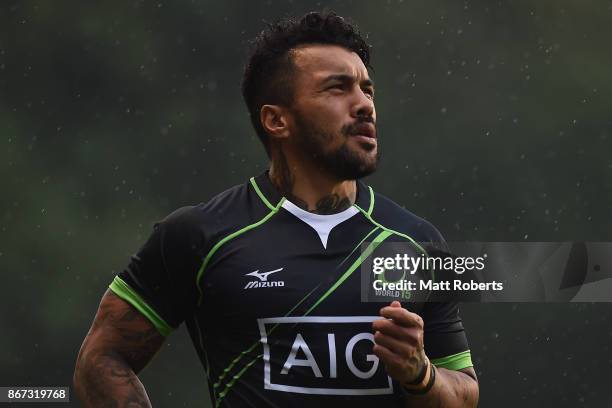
x=495, y=120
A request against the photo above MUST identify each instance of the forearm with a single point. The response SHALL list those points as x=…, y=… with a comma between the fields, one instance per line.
x=452, y=389
x=106, y=380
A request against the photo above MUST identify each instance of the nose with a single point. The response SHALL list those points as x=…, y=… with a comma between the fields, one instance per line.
x=363, y=106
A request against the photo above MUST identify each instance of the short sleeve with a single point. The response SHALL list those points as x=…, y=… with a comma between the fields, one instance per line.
x=445, y=340
x=160, y=279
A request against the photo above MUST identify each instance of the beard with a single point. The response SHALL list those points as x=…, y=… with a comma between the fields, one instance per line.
x=344, y=163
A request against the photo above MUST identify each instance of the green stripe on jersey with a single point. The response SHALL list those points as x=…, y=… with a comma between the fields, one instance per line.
x=125, y=292
x=228, y=238
x=455, y=362
x=409, y=238
x=357, y=247
x=371, y=206
x=260, y=194
x=247, y=351
x=365, y=254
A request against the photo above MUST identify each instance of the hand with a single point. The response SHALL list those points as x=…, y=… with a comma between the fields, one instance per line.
x=399, y=343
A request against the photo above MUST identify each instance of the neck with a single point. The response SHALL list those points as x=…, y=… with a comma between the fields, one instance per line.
x=311, y=188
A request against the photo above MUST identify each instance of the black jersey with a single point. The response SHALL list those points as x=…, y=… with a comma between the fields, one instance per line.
x=270, y=295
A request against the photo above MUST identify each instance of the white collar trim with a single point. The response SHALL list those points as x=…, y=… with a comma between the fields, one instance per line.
x=322, y=224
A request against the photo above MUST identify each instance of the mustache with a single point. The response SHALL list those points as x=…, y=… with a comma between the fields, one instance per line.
x=353, y=128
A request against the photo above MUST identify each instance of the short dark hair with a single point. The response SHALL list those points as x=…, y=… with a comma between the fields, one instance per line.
x=269, y=68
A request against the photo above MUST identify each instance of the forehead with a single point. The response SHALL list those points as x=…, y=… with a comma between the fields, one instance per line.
x=316, y=61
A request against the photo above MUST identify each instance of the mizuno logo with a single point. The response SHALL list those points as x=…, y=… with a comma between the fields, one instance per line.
x=263, y=277
x=263, y=280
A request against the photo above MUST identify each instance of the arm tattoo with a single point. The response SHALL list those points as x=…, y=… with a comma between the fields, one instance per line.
x=118, y=346
x=453, y=389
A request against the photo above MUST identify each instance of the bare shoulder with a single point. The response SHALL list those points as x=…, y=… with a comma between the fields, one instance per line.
x=118, y=328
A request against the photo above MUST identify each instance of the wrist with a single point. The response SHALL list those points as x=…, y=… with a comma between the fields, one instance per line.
x=423, y=375
x=425, y=385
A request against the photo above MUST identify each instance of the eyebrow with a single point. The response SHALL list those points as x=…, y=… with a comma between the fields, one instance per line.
x=347, y=78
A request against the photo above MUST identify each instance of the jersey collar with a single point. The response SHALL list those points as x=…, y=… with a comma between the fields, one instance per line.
x=269, y=191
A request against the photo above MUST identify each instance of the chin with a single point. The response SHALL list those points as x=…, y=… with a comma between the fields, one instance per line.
x=367, y=158
x=356, y=169
x=361, y=162
x=351, y=161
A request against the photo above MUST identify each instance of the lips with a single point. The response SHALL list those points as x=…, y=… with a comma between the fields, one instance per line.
x=364, y=129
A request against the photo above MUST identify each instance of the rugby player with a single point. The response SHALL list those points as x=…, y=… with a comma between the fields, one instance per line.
x=264, y=274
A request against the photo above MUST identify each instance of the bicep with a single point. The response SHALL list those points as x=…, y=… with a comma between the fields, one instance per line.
x=119, y=329
x=470, y=372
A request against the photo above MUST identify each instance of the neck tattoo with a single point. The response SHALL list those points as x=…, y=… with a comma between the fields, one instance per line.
x=284, y=181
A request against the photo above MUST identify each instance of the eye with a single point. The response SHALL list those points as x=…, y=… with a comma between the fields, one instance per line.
x=337, y=86
x=369, y=92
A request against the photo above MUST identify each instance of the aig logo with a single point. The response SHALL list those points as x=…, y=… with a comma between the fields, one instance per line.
x=329, y=355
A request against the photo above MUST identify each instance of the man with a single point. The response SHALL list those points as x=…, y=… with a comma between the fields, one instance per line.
x=264, y=276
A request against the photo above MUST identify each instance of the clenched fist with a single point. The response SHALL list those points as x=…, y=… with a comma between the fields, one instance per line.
x=399, y=344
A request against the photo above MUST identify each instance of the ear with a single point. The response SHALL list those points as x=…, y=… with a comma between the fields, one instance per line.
x=275, y=121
